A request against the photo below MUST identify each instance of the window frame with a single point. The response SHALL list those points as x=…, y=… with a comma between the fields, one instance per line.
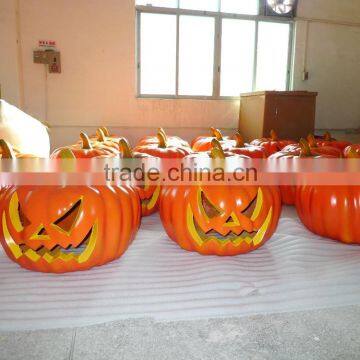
x=218, y=16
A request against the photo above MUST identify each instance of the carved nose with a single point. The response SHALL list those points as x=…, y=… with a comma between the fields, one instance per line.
x=232, y=221
x=40, y=233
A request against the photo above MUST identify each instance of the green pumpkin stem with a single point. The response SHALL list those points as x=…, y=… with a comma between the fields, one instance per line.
x=86, y=144
x=240, y=143
x=216, y=133
x=100, y=135
x=217, y=151
x=6, y=150
x=305, y=148
x=273, y=135
x=162, y=139
x=125, y=149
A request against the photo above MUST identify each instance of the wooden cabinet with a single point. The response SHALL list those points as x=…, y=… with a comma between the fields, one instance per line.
x=290, y=113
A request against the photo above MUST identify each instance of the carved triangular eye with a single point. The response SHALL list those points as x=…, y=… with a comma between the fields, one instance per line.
x=67, y=221
x=22, y=217
x=251, y=208
x=210, y=210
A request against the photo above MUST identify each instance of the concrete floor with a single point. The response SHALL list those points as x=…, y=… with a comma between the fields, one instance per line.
x=322, y=334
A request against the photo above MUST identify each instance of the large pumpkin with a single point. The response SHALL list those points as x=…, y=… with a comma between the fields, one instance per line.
x=7, y=151
x=86, y=149
x=241, y=148
x=171, y=140
x=331, y=211
x=272, y=144
x=302, y=150
x=327, y=140
x=67, y=228
x=220, y=219
x=204, y=143
x=148, y=192
x=163, y=149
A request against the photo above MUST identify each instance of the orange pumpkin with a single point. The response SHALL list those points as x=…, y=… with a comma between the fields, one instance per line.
x=171, y=140
x=67, y=228
x=87, y=149
x=148, y=193
x=302, y=150
x=240, y=148
x=163, y=149
x=220, y=219
x=272, y=144
x=331, y=211
x=327, y=140
x=204, y=143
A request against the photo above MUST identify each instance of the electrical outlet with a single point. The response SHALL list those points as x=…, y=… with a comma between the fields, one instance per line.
x=49, y=57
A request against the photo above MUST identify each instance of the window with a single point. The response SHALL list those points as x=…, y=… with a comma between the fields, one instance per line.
x=210, y=48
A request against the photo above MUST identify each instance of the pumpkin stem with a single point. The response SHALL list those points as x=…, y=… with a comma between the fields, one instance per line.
x=217, y=134
x=327, y=136
x=86, y=144
x=66, y=153
x=125, y=149
x=311, y=140
x=239, y=140
x=273, y=135
x=6, y=150
x=105, y=130
x=217, y=152
x=162, y=139
x=100, y=135
x=305, y=148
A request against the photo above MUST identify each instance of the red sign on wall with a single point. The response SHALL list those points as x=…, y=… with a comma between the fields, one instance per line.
x=47, y=43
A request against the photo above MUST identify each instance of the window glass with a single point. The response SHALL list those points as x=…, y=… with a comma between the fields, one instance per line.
x=159, y=3
x=196, y=55
x=158, y=54
x=237, y=56
x=273, y=53
x=247, y=7
x=209, y=5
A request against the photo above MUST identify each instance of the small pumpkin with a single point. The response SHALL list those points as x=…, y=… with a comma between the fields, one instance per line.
x=327, y=140
x=163, y=149
x=272, y=144
x=219, y=219
x=204, y=143
x=240, y=148
x=171, y=140
x=67, y=228
x=148, y=193
x=87, y=149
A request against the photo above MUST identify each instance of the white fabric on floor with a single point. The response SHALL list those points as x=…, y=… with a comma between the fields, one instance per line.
x=295, y=270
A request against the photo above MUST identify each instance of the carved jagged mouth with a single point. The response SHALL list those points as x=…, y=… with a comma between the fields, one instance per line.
x=254, y=238
x=80, y=253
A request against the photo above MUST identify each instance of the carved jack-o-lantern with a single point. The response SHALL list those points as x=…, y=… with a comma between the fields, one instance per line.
x=220, y=219
x=67, y=228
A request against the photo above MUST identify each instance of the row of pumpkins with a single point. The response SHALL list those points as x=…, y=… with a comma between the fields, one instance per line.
x=69, y=228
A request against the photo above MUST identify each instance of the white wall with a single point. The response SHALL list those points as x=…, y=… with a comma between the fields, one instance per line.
x=332, y=57
x=97, y=43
